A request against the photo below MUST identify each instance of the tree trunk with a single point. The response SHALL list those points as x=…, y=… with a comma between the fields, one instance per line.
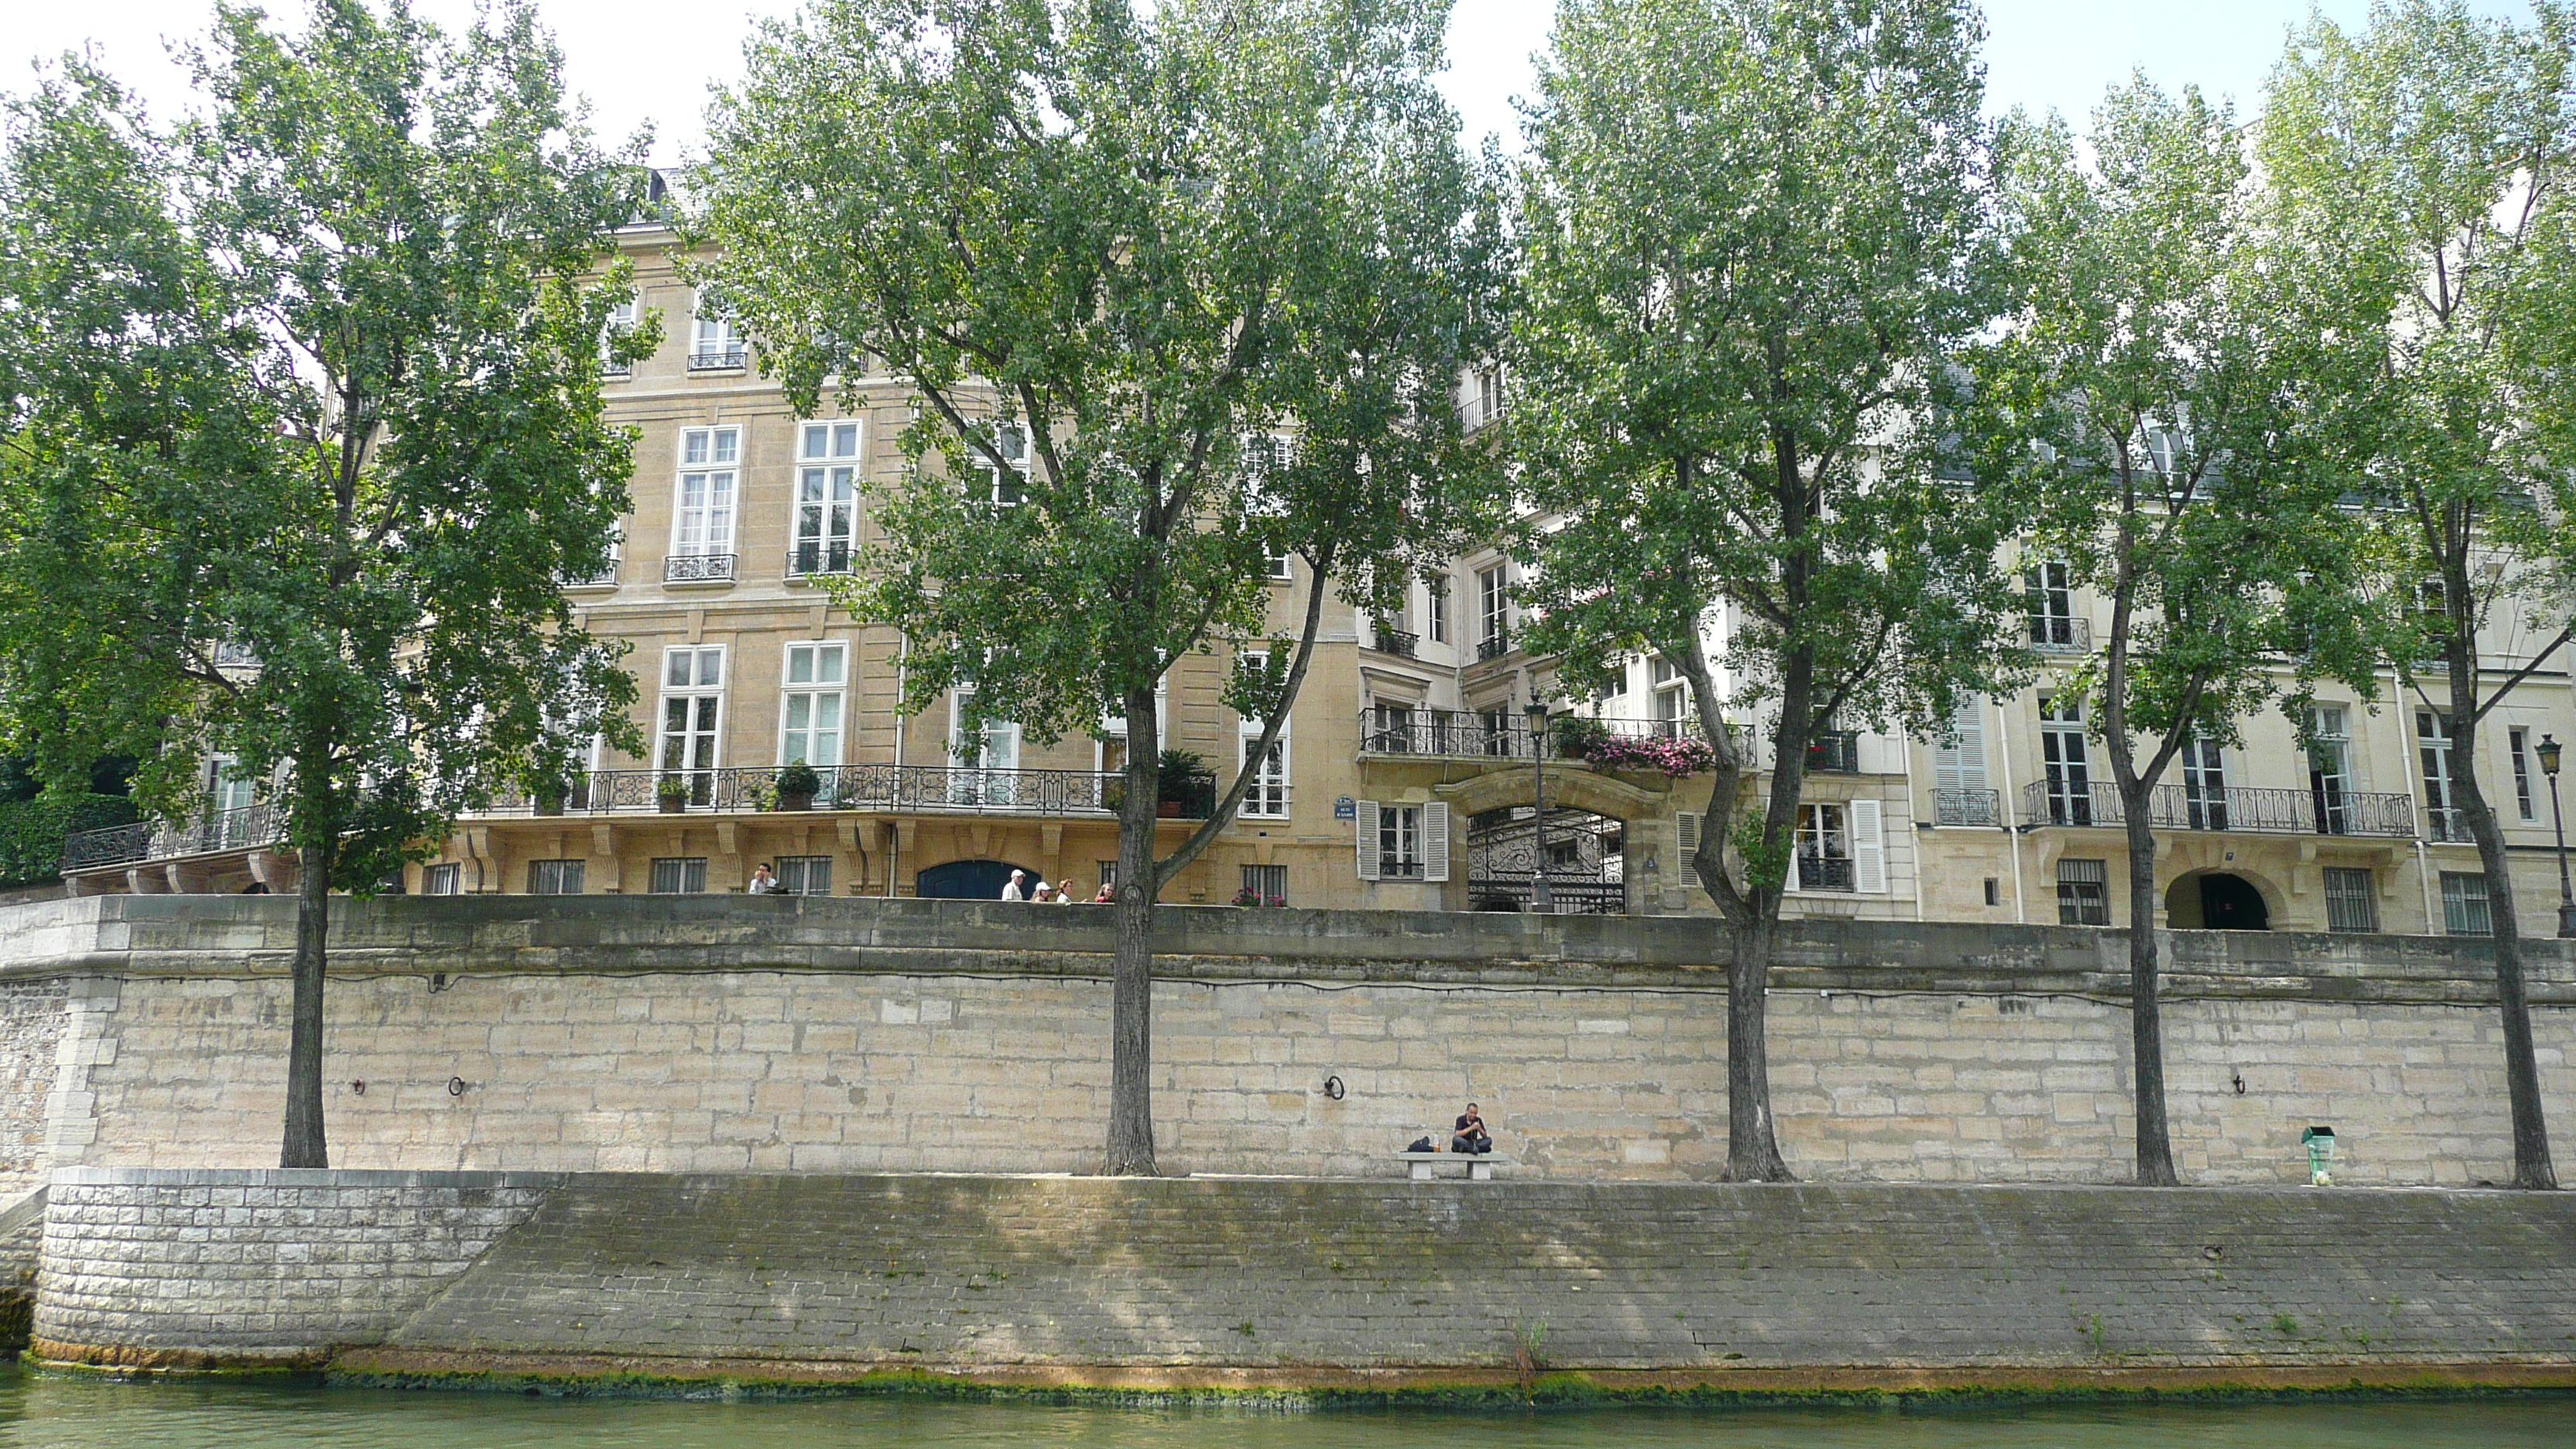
x=2146, y=1015
x=1131, y=974
x=2531, y=1165
x=304, y=1145
x=1752, y=1151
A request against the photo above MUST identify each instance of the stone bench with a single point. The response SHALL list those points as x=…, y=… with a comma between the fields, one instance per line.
x=1480, y=1165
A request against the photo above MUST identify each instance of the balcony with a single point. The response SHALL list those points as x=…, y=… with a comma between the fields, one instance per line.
x=605, y=578
x=251, y=827
x=1826, y=873
x=2059, y=634
x=1494, y=645
x=698, y=568
x=1953, y=805
x=811, y=557
x=1467, y=735
x=728, y=357
x=1391, y=640
x=1835, y=752
x=927, y=788
x=2242, y=811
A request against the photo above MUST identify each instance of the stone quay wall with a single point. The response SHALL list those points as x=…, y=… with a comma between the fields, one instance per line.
x=733, y=1034
x=201, y=1269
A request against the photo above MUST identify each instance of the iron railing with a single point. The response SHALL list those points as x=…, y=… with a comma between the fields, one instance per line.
x=1571, y=896
x=697, y=568
x=717, y=359
x=2060, y=634
x=2445, y=824
x=248, y=828
x=2259, y=811
x=1835, y=752
x=812, y=556
x=935, y=788
x=1957, y=805
x=1495, y=645
x=606, y=577
x=1827, y=873
x=1392, y=640
x=1466, y=734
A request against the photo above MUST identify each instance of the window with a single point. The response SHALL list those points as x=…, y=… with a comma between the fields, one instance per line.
x=2433, y=746
x=702, y=518
x=1001, y=485
x=716, y=344
x=1824, y=849
x=1494, y=605
x=827, y=499
x=1960, y=795
x=1267, y=885
x=1672, y=699
x=2329, y=768
x=442, y=880
x=1435, y=610
x=1263, y=455
x=680, y=875
x=986, y=760
x=2351, y=904
x=2519, y=740
x=1108, y=873
x=554, y=877
x=1994, y=891
x=2083, y=893
x=2051, y=599
x=1391, y=728
x=1399, y=842
x=1489, y=394
x=692, y=710
x=621, y=320
x=2204, y=784
x=2464, y=904
x=805, y=875
x=809, y=715
x=2062, y=759
x=1266, y=798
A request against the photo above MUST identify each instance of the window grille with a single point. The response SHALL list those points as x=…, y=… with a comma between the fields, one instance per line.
x=681, y=875
x=2083, y=893
x=554, y=877
x=2351, y=904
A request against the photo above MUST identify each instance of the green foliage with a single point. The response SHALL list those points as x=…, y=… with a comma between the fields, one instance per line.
x=32, y=831
x=799, y=779
x=311, y=377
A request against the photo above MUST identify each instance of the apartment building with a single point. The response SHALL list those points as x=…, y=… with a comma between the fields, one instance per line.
x=1412, y=773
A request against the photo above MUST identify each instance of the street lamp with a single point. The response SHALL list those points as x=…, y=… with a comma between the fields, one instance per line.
x=2548, y=751
x=1540, y=900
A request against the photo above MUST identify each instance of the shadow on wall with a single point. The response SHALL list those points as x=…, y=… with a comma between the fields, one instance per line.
x=2216, y=900
x=970, y=880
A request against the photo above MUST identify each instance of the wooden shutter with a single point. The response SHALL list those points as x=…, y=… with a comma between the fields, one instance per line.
x=1869, y=849
x=1435, y=841
x=1962, y=766
x=1368, y=839
x=1686, y=838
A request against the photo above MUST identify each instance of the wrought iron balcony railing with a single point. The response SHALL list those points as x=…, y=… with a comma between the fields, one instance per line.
x=2260, y=811
x=934, y=788
x=1826, y=873
x=1466, y=734
x=605, y=578
x=1957, y=805
x=698, y=568
x=1836, y=752
x=718, y=359
x=1391, y=640
x=249, y=828
x=1494, y=645
x=810, y=557
x=2059, y=634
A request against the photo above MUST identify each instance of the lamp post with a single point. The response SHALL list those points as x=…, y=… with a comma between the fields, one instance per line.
x=2548, y=751
x=1540, y=900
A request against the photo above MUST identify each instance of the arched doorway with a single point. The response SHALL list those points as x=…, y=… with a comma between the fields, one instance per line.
x=1583, y=856
x=970, y=880
x=2216, y=901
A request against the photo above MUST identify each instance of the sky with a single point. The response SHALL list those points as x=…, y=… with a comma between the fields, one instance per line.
x=650, y=62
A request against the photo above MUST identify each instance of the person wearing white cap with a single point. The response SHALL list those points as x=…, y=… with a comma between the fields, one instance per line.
x=1012, y=891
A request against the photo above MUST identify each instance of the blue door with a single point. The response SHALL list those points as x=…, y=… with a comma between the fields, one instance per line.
x=971, y=880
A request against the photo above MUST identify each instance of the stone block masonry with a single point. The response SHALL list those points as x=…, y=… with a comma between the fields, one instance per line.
x=708, y=1034
x=201, y=1269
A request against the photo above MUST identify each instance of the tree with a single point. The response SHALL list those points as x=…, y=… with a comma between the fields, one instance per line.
x=2149, y=388
x=1115, y=254
x=2421, y=167
x=311, y=380
x=1750, y=235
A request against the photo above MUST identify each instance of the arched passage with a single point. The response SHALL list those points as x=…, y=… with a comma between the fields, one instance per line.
x=1581, y=856
x=970, y=880
x=2216, y=900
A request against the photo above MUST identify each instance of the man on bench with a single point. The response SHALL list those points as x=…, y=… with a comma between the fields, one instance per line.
x=1471, y=1135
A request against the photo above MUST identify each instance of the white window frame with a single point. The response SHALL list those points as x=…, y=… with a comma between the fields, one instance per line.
x=1011, y=440
x=1494, y=604
x=2518, y=745
x=705, y=529
x=823, y=514
x=1399, y=842
x=621, y=320
x=2065, y=762
x=988, y=778
x=443, y=878
x=1435, y=609
x=703, y=722
x=715, y=344
x=2433, y=736
x=1267, y=797
x=815, y=692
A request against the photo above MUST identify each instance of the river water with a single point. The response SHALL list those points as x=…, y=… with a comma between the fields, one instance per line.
x=71, y=1413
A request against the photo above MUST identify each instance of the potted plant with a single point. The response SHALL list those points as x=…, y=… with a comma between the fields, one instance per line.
x=1247, y=897
x=673, y=793
x=1577, y=737
x=549, y=790
x=798, y=784
x=1184, y=774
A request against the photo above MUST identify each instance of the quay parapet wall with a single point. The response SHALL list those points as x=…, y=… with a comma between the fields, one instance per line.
x=1248, y=1282
x=732, y=1034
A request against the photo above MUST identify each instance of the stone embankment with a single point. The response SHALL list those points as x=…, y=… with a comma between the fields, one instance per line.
x=1375, y=1287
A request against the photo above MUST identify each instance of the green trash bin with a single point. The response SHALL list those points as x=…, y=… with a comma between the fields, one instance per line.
x=2320, y=1144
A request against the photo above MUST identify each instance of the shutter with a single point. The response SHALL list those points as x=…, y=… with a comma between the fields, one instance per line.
x=1686, y=838
x=1962, y=766
x=1869, y=848
x=1435, y=841
x=1368, y=839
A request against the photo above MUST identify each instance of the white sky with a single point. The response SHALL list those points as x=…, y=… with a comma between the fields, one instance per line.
x=651, y=61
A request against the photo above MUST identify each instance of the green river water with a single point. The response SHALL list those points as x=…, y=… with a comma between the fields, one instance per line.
x=62, y=1413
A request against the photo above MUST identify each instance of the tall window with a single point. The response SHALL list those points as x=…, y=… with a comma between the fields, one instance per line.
x=1672, y=697
x=809, y=715
x=1399, y=842
x=1960, y=795
x=1824, y=849
x=2062, y=760
x=2519, y=739
x=805, y=875
x=2433, y=747
x=715, y=343
x=986, y=760
x=692, y=711
x=2052, y=607
x=1264, y=454
x=1494, y=608
x=680, y=875
x=710, y=468
x=1266, y=798
x=827, y=499
x=2204, y=784
x=1435, y=610
x=621, y=320
x=2464, y=904
x=554, y=877
x=2351, y=905
x=2329, y=768
x=1489, y=394
x=1005, y=484
x=2083, y=893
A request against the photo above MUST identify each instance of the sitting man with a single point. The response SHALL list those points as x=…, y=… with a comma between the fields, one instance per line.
x=1471, y=1135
